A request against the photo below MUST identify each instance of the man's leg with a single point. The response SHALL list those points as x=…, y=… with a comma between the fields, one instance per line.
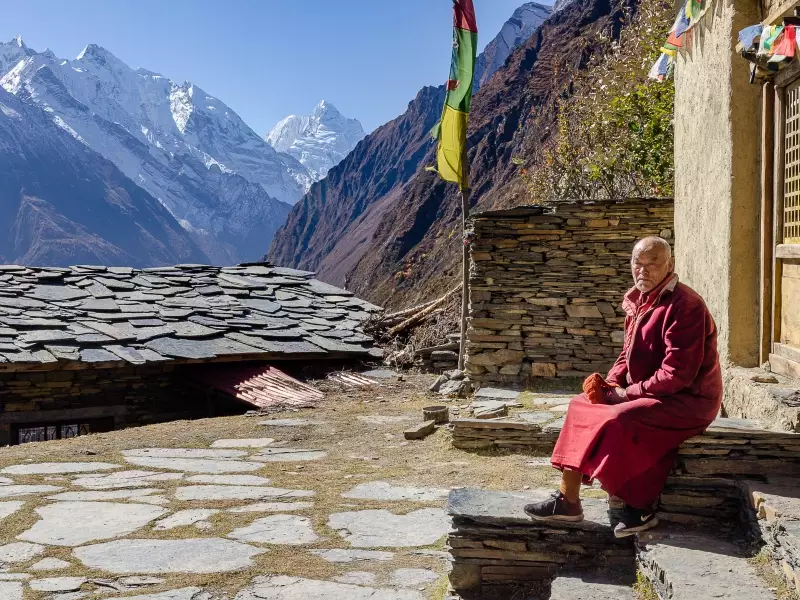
x=564, y=505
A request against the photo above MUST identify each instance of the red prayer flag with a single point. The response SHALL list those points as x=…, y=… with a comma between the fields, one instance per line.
x=464, y=15
x=787, y=43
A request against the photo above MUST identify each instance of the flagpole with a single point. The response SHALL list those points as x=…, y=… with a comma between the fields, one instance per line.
x=465, y=290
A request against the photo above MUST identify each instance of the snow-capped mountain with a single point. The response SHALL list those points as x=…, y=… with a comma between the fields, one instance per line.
x=61, y=203
x=320, y=141
x=185, y=147
x=515, y=32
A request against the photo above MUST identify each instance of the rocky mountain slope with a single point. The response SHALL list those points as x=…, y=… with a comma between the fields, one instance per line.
x=515, y=32
x=319, y=141
x=224, y=184
x=62, y=203
x=400, y=241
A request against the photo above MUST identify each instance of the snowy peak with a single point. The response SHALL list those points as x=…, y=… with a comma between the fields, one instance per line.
x=18, y=41
x=515, y=32
x=319, y=141
x=11, y=53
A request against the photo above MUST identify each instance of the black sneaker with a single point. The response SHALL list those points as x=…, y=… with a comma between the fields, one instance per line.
x=555, y=508
x=634, y=520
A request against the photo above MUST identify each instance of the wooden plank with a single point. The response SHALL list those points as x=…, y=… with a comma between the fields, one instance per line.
x=783, y=366
x=767, y=152
x=787, y=251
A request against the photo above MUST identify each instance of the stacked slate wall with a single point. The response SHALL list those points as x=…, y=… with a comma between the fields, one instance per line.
x=547, y=285
x=133, y=395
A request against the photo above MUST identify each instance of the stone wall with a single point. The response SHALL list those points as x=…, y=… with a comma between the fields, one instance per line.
x=123, y=396
x=547, y=285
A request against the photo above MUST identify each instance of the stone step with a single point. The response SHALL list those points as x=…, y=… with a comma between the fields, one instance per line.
x=696, y=566
x=591, y=587
x=493, y=541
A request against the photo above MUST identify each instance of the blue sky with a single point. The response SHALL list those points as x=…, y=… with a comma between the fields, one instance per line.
x=267, y=58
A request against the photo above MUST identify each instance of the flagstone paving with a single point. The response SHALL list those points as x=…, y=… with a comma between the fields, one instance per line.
x=58, y=468
x=76, y=523
x=310, y=512
x=383, y=529
x=277, y=529
x=202, y=555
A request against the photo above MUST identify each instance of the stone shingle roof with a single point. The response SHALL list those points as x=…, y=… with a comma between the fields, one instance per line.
x=88, y=314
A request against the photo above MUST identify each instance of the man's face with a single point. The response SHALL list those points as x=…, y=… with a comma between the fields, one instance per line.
x=650, y=265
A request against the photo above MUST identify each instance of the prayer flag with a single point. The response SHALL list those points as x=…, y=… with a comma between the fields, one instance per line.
x=748, y=35
x=452, y=130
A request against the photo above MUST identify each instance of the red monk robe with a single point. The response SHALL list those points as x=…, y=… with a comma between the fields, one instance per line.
x=670, y=368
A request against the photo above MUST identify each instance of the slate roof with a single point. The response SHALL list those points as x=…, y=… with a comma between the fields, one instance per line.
x=94, y=314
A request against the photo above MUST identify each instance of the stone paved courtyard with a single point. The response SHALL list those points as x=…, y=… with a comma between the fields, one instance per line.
x=327, y=503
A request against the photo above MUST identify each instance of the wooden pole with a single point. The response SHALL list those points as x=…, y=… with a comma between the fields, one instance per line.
x=767, y=174
x=777, y=205
x=465, y=289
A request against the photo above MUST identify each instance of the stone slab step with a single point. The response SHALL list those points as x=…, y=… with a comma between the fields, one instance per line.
x=591, y=587
x=694, y=566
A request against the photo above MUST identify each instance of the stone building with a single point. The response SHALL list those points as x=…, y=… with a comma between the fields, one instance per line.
x=89, y=349
x=546, y=286
x=737, y=204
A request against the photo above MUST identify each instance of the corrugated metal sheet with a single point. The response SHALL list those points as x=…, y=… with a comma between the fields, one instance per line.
x=262, y=387
x=352, y=380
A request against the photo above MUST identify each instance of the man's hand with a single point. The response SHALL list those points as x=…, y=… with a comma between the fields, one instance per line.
x=618, y=394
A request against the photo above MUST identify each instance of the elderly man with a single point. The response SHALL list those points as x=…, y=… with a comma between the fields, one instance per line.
x=665, y=387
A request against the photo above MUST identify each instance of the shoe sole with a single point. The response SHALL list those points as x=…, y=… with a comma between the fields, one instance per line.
x=561, y=518
x=654, y=522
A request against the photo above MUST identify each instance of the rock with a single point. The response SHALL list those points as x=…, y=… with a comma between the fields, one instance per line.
x=489, y=409
x=10, y=491
x=455, y=375
x=14, y=576
x=230, y=479
x=194, y=465
x=348, y=556
x=380, y=374
x=437, y=385
x=289, y=455
x=279, y=587
x=98, y=521
x=272, y=507
x=543, y=369
x=535, y=417
x=205, y=555
x=764, y=379
x=420, y=431
x=380, y=490
x=458, y=388
x=6, y=481
x=184, y=518
x=234, y=492
x=58, y=584
x=583, y=311
x=9, y=508
x=412, y=577
x=381, y=528
x=50, y=564
x=10, y=590
x=17, y=552
x=277, y=529
x=124, y=479
x=251, y=443
x=356, y=578
x=58, y=468
x=496, y=394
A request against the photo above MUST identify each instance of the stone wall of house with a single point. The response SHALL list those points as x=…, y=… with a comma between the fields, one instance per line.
x=125, y=396
x=547, y=285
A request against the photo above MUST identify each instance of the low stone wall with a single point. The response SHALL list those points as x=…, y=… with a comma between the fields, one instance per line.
x=125, y=396
x=547, y=285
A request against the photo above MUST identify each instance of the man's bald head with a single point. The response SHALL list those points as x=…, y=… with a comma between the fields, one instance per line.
x=651, y=263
